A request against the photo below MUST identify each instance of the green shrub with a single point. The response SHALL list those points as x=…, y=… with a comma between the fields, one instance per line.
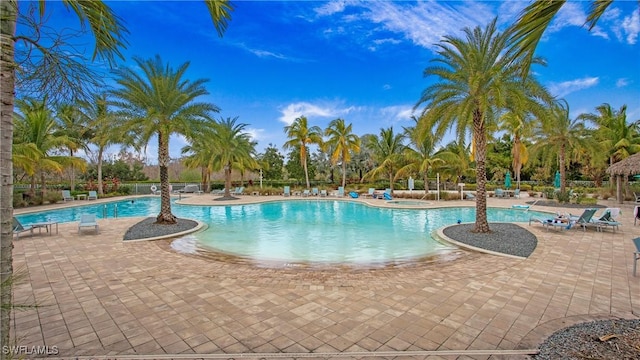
x=563, y=197
x=53, y=197
x=588, y=201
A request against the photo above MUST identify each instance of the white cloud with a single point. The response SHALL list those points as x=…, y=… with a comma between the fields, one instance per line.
x=571, y=14
x=631, y=26
x=397, y=113
x=295, y=110
x=622, y=82
x=255, y=134
x=567, y=87
x=332, y=7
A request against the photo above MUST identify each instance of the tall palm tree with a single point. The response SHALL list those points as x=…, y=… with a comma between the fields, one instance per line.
x=160, y=102
x=558, y=137
x=199, y=154
x=232, y=148
x=535, y=19
x=343, y=142
x=300, y=135
x=109, y=32
x=478, y=77
x=387, y=151
x=72, y=125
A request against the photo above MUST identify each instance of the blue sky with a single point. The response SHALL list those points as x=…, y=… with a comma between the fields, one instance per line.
x=363, y=60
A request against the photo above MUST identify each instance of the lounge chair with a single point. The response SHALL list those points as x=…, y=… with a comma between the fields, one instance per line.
x=18, y=228
x=306, y=193
x=636, y=254
x=516, y=193
x=584, y=220
x=353, y=194
x=238, y=191
x=323, y=193
x=66, y=195
x=370, y=194
x=387, y=194
x=287, y=191
x=314, y=191
x=218, y=191
x=190, y=189
x=341, y=191
x=637, y=196
x=469, y=195
x=87, y=221
x=608, y=218
x=93, y=195
x=499, y=193
x=548, y=223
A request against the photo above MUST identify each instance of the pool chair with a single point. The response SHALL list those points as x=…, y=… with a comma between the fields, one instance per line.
x=87, y=221
x=516, y=193
x=556, y=223
x=18, y=228
x=608, y=218
x=499, y=193
x=370, y=194
x=314, y=191
x=637, y=197
x=238, y=191
x=341, y=191
x=93, y=195
x=217, y=191
x=636, y=254
x=66, y=195
x=469, y=196
x=323, y=193
x=287, y=191
x=306, y=193
x=584, y=220
x=387, y=194
x=353, y=194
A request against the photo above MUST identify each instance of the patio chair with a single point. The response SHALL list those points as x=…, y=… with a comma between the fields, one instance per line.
x=608, y=218
x=636, y=254
x=218, y=191
x=353, y=194
x=387, y=194
x=370, y=193
x=66, y=195
x=341, y=191
x=18, y=228
x=516, y=193
x=238, y=191
x=323, y=193
x=306, y=193
x=314, y=191
x=548, y=223
x=87, y=221
x=637, y=197
x=584, y=220
x=499, y=193
x=93, y=195
x=469, y=195
x=287, y=191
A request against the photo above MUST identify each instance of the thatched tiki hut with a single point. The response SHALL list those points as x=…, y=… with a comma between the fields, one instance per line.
x=626, y=167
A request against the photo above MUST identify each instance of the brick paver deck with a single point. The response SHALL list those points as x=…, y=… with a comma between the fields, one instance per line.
x=98, y=296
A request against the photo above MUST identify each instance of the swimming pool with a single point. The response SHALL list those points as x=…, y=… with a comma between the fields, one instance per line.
x=326, y=231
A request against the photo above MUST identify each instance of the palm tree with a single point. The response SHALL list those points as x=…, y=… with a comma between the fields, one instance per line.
x=558, y=137
x=200, y=153
x=387, y=151
x=620, y=138
x=300, y=135
x=160, y=102
x=343, y=142
x=457, y=162
x=36, y=125
x=72, y=125
x=232, y=148
x=421, y=156
x=108, y=31
x=535, y=19
x=479, y=76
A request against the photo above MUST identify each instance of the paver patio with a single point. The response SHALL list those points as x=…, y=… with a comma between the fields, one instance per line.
x=98, y=296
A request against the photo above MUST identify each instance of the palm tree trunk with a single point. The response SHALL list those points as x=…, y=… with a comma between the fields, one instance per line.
x=480, y=137
x=306, y=172
x=344, y=173
x=426, y=182
x=561, y=156
x=227, y=180
x=100, y=190
x=165, y=216
x=8, y=14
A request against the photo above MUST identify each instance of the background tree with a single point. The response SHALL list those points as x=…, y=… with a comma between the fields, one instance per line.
x=294, y=166
x=300, y=136
x=421, y=155
x=72, y=125
x=387, y=150
x=274, y=160
x=343, y=142
x=160, y=102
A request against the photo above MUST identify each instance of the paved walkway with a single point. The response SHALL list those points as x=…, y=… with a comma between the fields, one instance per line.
x=98, y=296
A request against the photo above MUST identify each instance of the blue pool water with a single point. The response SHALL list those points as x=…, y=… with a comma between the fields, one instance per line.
x=306, y=231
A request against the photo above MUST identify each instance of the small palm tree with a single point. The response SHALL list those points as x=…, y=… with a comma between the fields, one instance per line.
x=300, y=135
x=160, y=102
x=232, y=148
x=72, y=125
x=387, y=151
x=343, y=142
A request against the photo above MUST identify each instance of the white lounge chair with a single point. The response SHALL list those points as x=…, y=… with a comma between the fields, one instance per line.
x=66, y=195
x=87, y=221
x=287, y=191
x=306, y=193
x=93, y=195
x=18, y=228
